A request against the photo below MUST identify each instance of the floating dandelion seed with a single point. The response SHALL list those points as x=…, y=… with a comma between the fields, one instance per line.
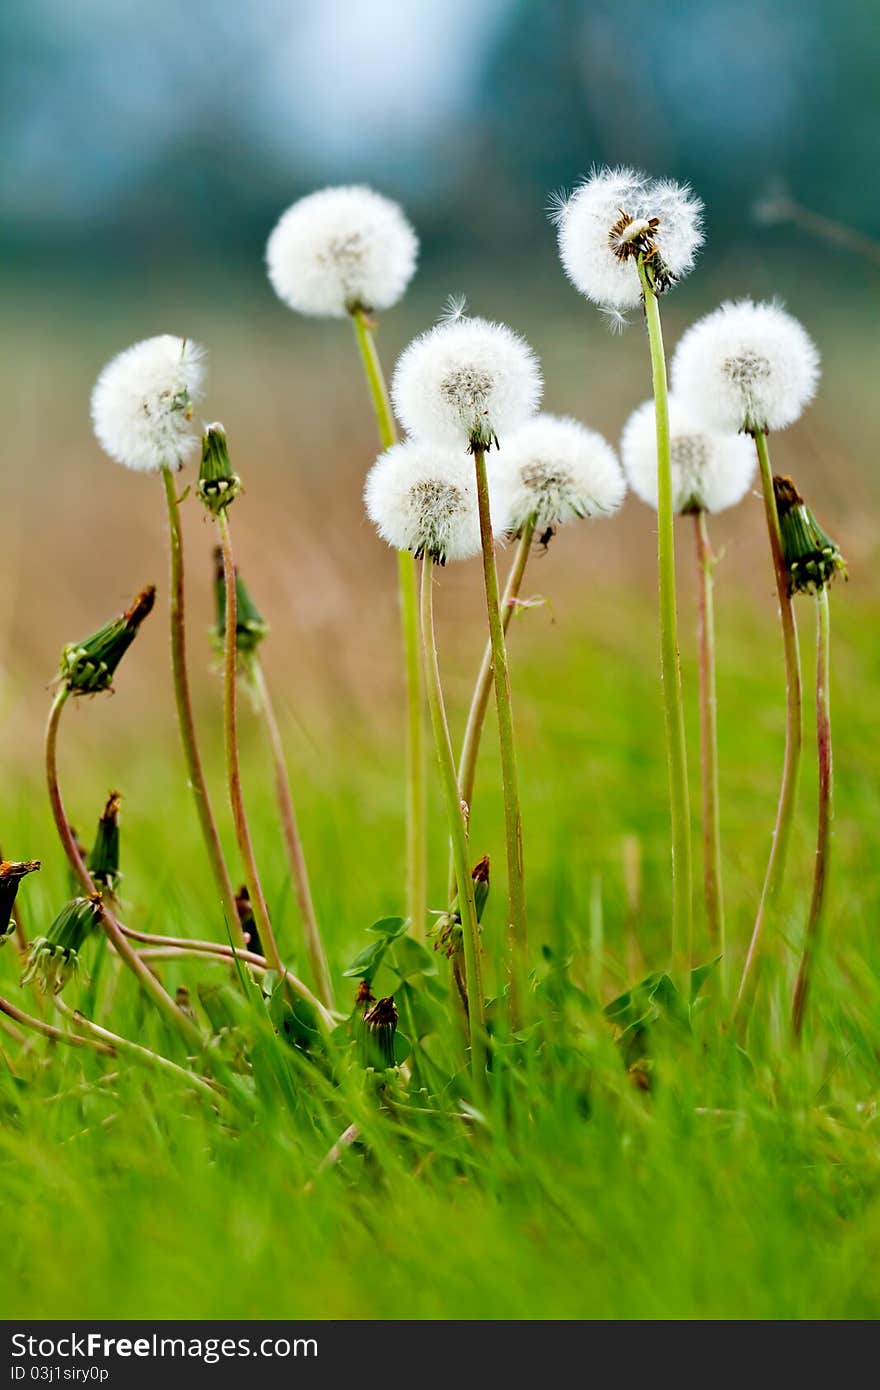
x=466, y=383
x=710, y=471
x=143, y=400
x=746, y=366
x=339, y=250
x=553, y=470
x=423, y=498
x=611, y=219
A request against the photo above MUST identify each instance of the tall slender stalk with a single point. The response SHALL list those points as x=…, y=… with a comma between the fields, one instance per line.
x=826, y=809
x=233, y=766
x=670, y=664
x=713, y=891
x=293, y=840
x=108, y=922
x=457, y=832
x=416, y=802
x=793, y=736
x=115, y=1043
x=185, y=717
x=516, y=889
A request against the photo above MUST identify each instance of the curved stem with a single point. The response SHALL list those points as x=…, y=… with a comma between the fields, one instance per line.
x=49, y=1031
x=185, y=718
x=293, y=842
x=117, y=1044
x=712, y=881
x=826, y=810
x=457, y=832
x=416, y=802
x=516, y=889
x=113, y=929
x=670, y=664
x=793, y=735
x=233, y=766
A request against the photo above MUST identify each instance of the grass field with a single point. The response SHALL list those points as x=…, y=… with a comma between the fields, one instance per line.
x=744, y=1184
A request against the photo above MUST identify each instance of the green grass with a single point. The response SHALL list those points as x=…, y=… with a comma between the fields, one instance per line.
x=742, y=1185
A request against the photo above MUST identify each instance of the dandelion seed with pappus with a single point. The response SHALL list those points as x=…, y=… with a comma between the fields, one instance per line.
x=11, y=874
x=142, y=411
x=625, y=238
x=753, y=368
x=54, y=958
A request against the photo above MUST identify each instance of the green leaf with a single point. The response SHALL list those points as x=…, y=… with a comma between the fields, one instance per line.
x=402, y=1048
x=700, y=975
x=389, y=927
x=411, y=958
x=365, y=965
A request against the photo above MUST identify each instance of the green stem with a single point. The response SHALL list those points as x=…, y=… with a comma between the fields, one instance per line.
x=49, y=1031
x=457, y=832
x=113, y=929
x=233, y=765
x=516, y=890
x=185, y=718
x=416, y=803
x=712, y=881
x=793, y=737
x=826, y=809
x=145, y=1055
x=293, y=841
x=670, y=665
x=470, y=748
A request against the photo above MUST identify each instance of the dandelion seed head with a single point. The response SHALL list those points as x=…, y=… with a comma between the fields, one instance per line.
x=710, y=471
x=423, y=498
x=746, y=366
x=604, y=219
x=340, y=249
x=142, y=403
x=553, y=470
x=466, y=381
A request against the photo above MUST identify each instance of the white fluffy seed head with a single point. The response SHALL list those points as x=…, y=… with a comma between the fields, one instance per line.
x=710, y=471
x=586, y=223
x=341, y=249
x=466, y=382
x=143, y=400
x=552, y=470
x=746, y=367
x=423, y=498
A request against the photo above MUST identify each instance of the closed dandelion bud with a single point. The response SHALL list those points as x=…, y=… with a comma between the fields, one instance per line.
x=553, y=470
x=142, y=404
x=88, y=667
x=710, y=471
x=480, y=876
x=247, y=921
x=364, y=996
x=810, y=556
x=447, y=931
x=423, y=498
x=377, y=1036
x=11, y=874
x=218, y=485
x=250, y=626
x=103, y=859
x=55, y=957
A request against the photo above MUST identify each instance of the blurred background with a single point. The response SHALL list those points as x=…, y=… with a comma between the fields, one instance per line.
x=148, y=151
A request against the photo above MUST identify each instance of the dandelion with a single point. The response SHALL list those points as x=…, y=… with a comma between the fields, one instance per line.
x=753, y=368
x=142, y=410
x=626, y=238
x=351, y=251
x=551, y=471
x=618, y=217
x=709, y=472
x=378, y=1033
x=423, y=498
x=54, y=958
x=11, y=874
x=811, y=560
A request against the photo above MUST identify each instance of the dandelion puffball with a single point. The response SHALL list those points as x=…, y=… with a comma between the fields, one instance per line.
x=552, y=470
x=466, y=382
x=341, y=249
x=613, y=214
x=710, y=471
x=423, y=498
x=142, y=403
x=746, y=367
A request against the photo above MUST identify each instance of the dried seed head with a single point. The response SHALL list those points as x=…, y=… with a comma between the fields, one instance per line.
x=218, y=485
x=710, y=471
x=88, y=667
x=553, y=470
x=55, y=957
x=811, y=557
x=143, y=401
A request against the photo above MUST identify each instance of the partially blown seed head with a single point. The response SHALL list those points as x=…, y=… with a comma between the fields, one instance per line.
x=552, y=470
x=423, y=498
x=746, y=367
x=143, y=401
x=710, y=471
x=341, y=249
x=617, y=214
x=466, y=383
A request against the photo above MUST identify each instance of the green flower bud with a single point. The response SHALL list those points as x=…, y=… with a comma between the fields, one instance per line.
x=11, y=874
x=55, y=957
x=446, y=931
x=218, y=485
x=250, y=626
x=88, y=667
x=103, y=860
x=810, y=556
